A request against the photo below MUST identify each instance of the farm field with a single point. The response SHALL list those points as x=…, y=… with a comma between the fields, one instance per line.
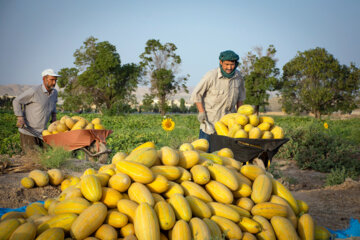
x=330, y=206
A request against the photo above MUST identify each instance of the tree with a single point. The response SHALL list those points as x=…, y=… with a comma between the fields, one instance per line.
x=193, y=108
x=183, y=108
x=147, y=102
x=6, y=102
x=314, y=81
x=260, y=75
x=174, y=108
x=72, y=91
x=99, y=78
x=160, y=64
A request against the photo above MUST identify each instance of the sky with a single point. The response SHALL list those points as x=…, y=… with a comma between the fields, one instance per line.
x=40, y=34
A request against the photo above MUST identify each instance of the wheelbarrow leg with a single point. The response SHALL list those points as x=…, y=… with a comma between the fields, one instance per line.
x=102, y=155
x=103, y=158
x=259, y=162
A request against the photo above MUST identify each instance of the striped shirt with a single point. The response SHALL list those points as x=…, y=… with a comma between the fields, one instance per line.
x=36, y=106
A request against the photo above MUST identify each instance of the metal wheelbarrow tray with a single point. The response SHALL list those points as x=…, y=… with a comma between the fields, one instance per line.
x=246, y=149
x=91, y=141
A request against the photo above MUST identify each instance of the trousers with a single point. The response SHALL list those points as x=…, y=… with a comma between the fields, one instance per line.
x=30, y=143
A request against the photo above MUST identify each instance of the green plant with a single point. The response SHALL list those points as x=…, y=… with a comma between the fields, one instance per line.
x=323, y=151
x=54, y=157
x=290, y=180
x=273, y=169
x=336, y=176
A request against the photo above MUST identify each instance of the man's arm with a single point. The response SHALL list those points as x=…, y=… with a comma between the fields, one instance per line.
x=201, y=116
x=200, y=107
x=18, y=102
x=197, y=97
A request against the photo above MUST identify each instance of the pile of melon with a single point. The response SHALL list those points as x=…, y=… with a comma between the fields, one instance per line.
x=168, y=193
x=67, y=123
x=246, y=124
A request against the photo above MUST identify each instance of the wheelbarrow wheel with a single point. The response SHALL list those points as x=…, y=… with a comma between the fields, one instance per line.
x=101, y=158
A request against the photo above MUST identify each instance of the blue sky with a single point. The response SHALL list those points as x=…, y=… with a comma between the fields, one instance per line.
x=40, y=34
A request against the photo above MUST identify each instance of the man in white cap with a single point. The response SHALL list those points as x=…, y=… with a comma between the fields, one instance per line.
x=34, y=107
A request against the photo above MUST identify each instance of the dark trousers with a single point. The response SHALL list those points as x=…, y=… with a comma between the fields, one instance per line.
x=29, y=143
x=203, y=135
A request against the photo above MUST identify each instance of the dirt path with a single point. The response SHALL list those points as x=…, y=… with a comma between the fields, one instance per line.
x=333, y=207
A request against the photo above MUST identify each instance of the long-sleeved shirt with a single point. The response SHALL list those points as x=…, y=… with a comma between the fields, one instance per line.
x=218, y=95
x=36, y=106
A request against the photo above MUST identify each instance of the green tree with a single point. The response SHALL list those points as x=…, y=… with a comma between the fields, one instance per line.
x=174, y=108
x=160, y=64
x=73, y=93
x=314, y=81
x=193, y=108
x=99, y=78
x=261, y=76
x=183, y=108
x=6, y=102
x=147, y=102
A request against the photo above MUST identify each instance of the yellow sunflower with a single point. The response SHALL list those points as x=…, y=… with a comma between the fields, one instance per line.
x=326, y=126
x=168, y=124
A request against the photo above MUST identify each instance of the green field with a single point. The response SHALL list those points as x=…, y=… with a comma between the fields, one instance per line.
x=311, y=145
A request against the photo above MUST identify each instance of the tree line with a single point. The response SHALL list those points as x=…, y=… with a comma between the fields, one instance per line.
x=312, y=82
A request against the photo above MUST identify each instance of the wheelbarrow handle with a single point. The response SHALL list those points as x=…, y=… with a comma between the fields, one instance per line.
x=32, y=131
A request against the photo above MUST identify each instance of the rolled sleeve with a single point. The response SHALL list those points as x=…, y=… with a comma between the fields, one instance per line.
x=22, y=99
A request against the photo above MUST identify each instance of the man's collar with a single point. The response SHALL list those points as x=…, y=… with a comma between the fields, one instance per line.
x=44, y=88
x=219, y=73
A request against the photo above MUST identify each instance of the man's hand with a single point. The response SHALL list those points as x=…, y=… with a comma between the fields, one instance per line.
x=201, y=117
x=20, y=122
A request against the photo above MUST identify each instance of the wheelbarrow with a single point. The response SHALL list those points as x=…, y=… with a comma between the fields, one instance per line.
x=91, y=141
x=246, y=150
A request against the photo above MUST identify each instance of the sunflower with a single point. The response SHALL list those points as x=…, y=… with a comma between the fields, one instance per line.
x=326, y=126
x=168, y=124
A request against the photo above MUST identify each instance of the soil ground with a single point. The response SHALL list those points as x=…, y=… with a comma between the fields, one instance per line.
x=331, y=207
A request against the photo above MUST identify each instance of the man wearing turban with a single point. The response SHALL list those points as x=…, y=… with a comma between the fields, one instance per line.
x=220, y=91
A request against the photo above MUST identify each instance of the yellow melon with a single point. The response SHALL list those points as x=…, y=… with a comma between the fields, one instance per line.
x=248, y=127
x=265, y=126
x=278, y=132
x=255, y=133
x=267, y=119
x=69, y=122
x=186, y=147
x=52, y=126
x=96, y=121
x=46, y=132
x=241, y=134
x=242, y=119
x=254, y=120
x=267, y=135
x=99, y=126
x=89, y=126
x=246, y=109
